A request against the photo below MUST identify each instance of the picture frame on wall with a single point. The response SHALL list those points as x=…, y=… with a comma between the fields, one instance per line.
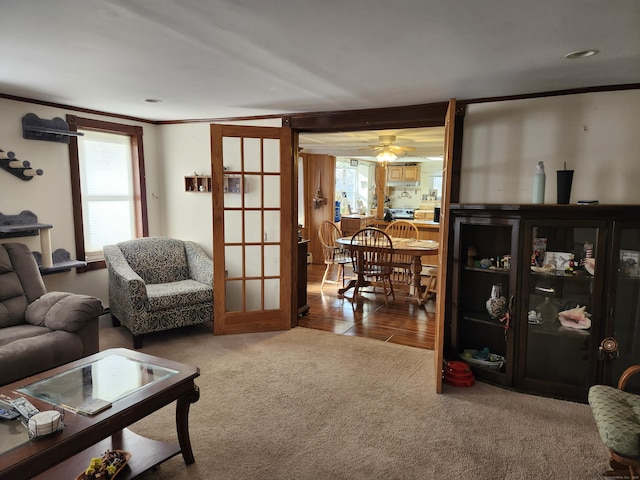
x=354, y=162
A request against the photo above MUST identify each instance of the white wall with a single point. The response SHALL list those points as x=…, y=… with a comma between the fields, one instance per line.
x=186, y=149
x=596, y=134
x=49, y=195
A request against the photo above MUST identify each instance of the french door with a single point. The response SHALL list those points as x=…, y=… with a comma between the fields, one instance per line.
x=443, y=249
x=253, y=228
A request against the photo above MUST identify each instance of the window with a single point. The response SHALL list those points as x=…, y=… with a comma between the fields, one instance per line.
x=107, y=172
x=351, y=188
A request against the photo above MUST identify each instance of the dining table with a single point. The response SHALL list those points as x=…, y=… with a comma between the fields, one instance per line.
x=403, y=246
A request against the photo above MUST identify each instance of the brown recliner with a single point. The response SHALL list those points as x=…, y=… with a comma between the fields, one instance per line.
x=40, y=330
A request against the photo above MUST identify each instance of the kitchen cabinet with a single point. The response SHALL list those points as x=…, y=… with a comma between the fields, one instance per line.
x=569, y=277
x=403, y=173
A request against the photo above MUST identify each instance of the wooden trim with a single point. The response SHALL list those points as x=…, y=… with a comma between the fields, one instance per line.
x=552, y=93
x=428, y=115
x=72, y=108
x=139, y=184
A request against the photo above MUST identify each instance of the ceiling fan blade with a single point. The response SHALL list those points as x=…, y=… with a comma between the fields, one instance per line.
x=375, y=148
x=400, y=150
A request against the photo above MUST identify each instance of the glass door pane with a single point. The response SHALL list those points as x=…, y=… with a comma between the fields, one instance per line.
x=486, y=283
x=561, y=318
x=625, y=327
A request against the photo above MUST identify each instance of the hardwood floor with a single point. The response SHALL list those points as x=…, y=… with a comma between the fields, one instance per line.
x=403, y=322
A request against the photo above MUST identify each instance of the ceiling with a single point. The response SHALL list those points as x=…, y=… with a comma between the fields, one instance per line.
x=428, y=143
x=209, y=59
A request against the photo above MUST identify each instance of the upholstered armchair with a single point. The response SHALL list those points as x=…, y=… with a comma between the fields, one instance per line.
x=158, y=283
x=616, y=412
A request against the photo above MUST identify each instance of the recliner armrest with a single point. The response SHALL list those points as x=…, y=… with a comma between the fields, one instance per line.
x=63, y=311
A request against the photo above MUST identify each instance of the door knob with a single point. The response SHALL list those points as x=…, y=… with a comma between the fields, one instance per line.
x=608, y=348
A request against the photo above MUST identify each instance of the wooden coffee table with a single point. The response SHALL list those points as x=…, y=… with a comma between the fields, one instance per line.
x=139, y=385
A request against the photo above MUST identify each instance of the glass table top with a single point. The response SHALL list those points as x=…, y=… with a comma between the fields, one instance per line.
x=108, y=379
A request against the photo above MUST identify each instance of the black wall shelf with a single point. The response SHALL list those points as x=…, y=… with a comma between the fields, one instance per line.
x=54, y=130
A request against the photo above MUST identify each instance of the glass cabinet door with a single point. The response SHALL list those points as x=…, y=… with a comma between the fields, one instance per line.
x=485, y=281
x=621, y=346
x=561, y=312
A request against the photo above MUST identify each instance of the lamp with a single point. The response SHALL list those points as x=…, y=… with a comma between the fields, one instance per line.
x=386, y=155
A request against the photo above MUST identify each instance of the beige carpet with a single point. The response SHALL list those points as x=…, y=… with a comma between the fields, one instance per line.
x=306, y=404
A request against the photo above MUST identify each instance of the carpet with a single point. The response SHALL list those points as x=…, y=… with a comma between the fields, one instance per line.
x=307, y=404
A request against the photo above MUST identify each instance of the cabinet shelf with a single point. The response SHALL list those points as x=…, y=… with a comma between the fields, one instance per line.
x=500, y=271
x=481, y=318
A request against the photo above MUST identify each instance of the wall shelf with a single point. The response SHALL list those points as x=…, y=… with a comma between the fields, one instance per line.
x=232, y=183
x=197, y=183
x=54, y=130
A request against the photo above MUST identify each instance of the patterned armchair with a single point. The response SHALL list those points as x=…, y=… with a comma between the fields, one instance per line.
x=158, y=283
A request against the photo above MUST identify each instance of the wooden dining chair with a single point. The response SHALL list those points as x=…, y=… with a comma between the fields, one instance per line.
x=402, y=273
x=373, y=260
x=333, y=253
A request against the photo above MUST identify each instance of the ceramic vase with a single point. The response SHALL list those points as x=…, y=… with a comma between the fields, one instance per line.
x=497, y=304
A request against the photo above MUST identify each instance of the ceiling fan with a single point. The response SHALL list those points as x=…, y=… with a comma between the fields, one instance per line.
x=387, y=150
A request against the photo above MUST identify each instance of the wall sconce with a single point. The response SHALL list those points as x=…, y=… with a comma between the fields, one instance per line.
x=318, y=199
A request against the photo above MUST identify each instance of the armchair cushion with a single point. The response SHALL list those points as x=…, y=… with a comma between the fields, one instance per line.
x=18, y=332
x=63, y=311
x=617, y=415
x=164, y=296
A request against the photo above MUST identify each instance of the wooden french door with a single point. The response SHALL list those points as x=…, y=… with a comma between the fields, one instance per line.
x=449, y=124
x=253, y=228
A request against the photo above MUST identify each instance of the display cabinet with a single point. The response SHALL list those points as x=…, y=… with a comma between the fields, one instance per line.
x=567, y=310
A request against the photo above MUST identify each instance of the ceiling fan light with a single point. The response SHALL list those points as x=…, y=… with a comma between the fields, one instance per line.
x=386, y=155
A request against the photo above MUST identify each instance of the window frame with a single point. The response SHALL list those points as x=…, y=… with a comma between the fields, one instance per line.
x=138, y=172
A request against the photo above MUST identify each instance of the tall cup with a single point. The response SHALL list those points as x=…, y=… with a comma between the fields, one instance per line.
x=565, y=178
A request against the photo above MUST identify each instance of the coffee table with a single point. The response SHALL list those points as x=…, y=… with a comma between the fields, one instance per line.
x=135, y=383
